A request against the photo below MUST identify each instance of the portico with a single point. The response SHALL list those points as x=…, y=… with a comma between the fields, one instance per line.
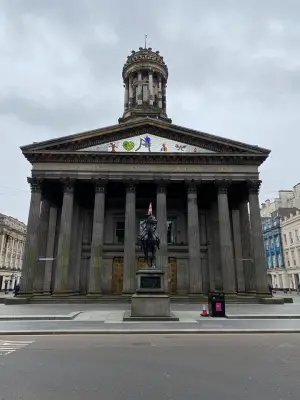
x=90, y=191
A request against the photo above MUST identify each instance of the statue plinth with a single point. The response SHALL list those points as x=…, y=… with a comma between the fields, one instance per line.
x=150, y=302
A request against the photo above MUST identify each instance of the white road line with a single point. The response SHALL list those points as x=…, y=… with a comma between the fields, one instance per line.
x=8, y=347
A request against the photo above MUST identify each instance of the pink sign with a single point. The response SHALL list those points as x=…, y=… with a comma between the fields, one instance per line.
x=218, y=306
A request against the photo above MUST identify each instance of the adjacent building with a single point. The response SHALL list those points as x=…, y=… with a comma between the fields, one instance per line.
x=290, y=231
x=285, y=199
x=91, y=190
x=12, y=241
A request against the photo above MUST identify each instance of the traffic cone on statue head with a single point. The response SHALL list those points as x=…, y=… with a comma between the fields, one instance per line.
x=150, y=209
x=204, y=312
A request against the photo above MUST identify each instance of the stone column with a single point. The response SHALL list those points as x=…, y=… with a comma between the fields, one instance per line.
x=16, y=254
x=64, y=241
x=159, y=93
x=42, y=248
x=31, y=244
x=1, y=250
x=130, y=239
x=11, y=252
x=249, y=271
x=126, y=95
x=257, y=238
x=164, y=97
x=161, y=211
x=50, y=249
x=227, y=261
x=130, y=89
x=140, y=94
x=195, y=267
x=151, y=97
x=238, y=252
x=95, y=274
x=6, y=252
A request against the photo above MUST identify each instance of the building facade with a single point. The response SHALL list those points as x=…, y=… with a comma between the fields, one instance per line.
x=285, y=199
x=90, y=191
x=274, y=251
x=290, y=231
x=12, y=242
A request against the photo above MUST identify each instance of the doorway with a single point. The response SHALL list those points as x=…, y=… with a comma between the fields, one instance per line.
x=117, y=275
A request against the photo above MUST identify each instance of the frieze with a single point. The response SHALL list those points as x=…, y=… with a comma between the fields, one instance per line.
x=144, y=158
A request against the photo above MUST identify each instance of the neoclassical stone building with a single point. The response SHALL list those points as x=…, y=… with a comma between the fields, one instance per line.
x=12, y=240
x=90, y=191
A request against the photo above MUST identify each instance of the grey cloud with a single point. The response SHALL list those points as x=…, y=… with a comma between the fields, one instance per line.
x=234, y=71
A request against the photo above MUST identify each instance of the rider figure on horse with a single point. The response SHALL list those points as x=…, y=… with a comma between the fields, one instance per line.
x=149, y=238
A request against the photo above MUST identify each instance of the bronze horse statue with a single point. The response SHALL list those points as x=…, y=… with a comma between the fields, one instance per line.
x=149, y=239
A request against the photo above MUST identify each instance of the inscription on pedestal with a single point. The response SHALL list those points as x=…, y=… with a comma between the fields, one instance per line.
x=150, y=282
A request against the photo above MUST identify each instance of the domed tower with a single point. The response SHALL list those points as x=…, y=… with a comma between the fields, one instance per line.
x=145, y=76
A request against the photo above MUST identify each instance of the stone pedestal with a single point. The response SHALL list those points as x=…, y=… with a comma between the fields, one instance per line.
x=150, y=303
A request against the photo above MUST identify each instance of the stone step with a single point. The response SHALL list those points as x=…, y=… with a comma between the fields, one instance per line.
x=127, y=299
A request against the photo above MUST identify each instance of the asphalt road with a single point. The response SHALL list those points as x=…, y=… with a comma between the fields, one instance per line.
x=150, y=367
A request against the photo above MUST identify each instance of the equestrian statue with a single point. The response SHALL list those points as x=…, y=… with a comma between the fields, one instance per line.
x=149, y=239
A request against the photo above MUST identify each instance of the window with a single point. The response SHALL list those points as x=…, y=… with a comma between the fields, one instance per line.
x=269, y=262
x=120, y=230
x=272, y=243
x=279, y=260
x=285, y=239
x=291, y=237
x=267, y=245
x=297, y=235
x=171, y=232
x=277, y=241
x=274, y=262
x=293, y=258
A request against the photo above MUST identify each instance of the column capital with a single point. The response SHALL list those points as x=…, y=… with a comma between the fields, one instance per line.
x=130, y=185
x=192, y=185
x=222, y=185
x=100, y=184
x=68, y=184
x=161, y=185
x=35, y=184
x=253, y=185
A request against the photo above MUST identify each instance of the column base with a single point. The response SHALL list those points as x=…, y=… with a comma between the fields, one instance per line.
x=94, y=295
x=62, y=293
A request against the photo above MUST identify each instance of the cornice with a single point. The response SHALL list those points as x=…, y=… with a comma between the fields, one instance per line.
x=144, y=158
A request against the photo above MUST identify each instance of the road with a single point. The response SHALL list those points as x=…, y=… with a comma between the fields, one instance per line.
x=226, y=367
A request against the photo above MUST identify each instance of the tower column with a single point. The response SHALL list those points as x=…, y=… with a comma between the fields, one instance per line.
x=64, y=241
x=95, y=274
x=140, y=86
x=126, y=91
x=164, y=98
x=195, y=267
x=151, y=97
x=159, y=92
x=257, y=238
x=130, y=239
x=31, y=244
x=130, y=90
x=227, y=261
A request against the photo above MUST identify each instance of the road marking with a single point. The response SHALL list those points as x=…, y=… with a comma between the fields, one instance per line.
x=8, y=346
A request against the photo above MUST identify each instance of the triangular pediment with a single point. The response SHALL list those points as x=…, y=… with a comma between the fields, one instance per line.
x=131, y=137
x=146, y=143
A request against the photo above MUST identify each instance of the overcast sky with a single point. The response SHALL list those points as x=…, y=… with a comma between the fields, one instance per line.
x=234, y=70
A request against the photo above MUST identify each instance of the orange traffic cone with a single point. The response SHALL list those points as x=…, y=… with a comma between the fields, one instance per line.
x=204, y=311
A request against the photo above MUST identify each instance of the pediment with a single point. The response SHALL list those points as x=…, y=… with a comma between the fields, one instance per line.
x=146, y=143
x=131, y=137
